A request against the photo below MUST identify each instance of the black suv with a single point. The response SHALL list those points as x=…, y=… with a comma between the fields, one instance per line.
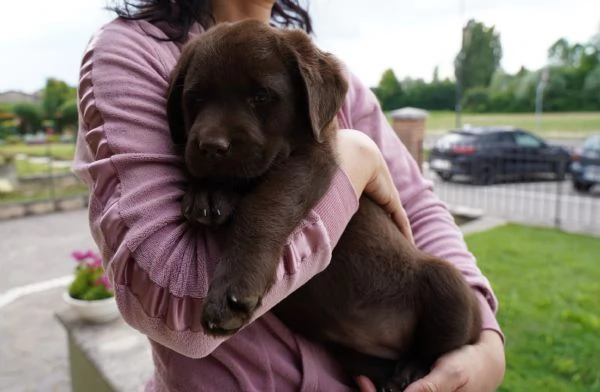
x=487, y=154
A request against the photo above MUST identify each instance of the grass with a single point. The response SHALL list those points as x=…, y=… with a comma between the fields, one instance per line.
x=548, y=285
x=57, y=151
x=41, y=194
x=27, y=168
x=556, y=124
x=580, y=124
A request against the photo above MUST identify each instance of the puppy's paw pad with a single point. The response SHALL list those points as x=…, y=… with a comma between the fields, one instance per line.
x=225, y=313
x=245, y=304
x=195, y=207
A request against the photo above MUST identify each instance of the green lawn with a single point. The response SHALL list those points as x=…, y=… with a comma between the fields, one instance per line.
x=575, y=124
x=27, y=168
x=58, y=151
x=548, y=285
x=42, y=194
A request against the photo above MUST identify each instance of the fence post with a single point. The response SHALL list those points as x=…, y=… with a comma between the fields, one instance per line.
x=51, y=174
x=558, y=205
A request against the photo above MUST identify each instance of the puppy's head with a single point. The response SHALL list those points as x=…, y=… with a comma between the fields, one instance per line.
x=244, y=95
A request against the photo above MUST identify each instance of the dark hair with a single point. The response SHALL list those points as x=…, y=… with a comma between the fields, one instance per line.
x=180, y=15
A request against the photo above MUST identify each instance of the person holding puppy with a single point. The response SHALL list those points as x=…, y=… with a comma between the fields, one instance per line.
x=161, y=266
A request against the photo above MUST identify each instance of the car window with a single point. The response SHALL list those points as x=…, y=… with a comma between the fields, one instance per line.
x=593, y=143
x=504, y=138
x=453, y=139
x=526, y=140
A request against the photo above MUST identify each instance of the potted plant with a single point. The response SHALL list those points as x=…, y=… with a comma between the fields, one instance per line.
x=90, y=293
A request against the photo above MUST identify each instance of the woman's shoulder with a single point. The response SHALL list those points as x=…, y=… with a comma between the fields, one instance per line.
x=360, y=100
x=133, y=40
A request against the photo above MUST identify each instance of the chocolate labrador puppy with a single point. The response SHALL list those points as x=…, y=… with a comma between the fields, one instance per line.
x=254, y=110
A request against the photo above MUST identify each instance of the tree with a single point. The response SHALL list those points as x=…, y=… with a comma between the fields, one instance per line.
x=591, y=89
x=67, y=113
x=479, y=56
x=30, y=116
x=476, y=99
x=55, y=94
x=436, y=75
x=389, y=91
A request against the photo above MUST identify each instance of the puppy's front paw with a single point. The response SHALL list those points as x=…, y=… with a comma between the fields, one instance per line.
x=195, y=206
x=404, y=376
x=228, y=307
x=208, y=207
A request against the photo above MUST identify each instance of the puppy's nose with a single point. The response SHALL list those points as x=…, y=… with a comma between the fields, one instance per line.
x=216, y=147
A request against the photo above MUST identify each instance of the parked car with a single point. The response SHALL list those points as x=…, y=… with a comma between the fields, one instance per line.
x=486, y=154
x=585, y=167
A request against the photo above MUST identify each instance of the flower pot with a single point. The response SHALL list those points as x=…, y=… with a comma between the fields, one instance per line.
x=97, y=311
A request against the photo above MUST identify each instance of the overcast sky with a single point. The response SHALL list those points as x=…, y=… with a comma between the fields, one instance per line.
x=43, y=38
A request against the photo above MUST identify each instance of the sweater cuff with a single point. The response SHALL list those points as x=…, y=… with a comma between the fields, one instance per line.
x=338, y=206
x=488, y=317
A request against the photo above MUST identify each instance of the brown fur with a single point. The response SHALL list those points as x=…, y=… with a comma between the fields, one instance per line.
x=254, y=111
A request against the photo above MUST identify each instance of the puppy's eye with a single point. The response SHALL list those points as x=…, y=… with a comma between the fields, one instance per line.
x=261, y=97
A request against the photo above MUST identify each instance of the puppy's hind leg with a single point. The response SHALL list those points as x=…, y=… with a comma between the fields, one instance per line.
x=449, y=317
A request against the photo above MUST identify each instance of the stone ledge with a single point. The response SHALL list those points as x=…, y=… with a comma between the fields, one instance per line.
x=106, y=357
x=19, y=210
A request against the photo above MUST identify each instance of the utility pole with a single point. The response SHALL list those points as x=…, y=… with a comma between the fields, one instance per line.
x=460, y=73
x=539, y=98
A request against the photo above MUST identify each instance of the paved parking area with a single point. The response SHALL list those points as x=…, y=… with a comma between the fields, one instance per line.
x=33, y=347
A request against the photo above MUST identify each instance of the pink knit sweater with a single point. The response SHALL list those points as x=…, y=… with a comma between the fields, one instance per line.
x=161, y=267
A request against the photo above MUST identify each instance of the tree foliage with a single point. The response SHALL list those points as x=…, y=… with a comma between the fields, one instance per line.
x=67, y=113
x=30, y=117
x=573, y=82
x=479, y=56
x=55, y=94
x=390, y=91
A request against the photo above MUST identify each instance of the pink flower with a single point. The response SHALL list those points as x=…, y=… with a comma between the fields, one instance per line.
x=96, y=262
x=104, y=281
x=79, y=256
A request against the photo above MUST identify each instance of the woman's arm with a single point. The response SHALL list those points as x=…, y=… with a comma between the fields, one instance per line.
x=433, y=227
x=479, y=367
x=160, y=266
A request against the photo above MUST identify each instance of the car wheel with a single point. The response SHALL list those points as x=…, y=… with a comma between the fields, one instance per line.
x=444, y=176
x=580, y=187
x=484, y=176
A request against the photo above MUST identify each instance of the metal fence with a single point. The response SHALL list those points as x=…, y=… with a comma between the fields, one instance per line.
x=528, y=185
x=44, y=183
x=37, y=178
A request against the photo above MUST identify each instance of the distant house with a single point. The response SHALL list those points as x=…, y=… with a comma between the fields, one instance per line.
x=19, y=96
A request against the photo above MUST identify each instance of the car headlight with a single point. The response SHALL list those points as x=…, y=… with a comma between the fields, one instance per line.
x=576, y=166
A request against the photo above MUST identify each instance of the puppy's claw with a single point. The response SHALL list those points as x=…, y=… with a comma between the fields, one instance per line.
x=218, y=212
x=205, y=212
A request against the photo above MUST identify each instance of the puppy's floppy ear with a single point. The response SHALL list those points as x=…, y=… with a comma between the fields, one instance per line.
x=175, y=114
x=321, y=73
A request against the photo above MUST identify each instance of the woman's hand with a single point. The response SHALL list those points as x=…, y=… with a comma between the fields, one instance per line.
x=472, y=368
x=362, y=161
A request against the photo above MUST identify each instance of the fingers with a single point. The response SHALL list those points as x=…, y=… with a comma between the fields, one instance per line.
x=365, y=166
x=364, y=384
x=383, y=190
x=445, y=377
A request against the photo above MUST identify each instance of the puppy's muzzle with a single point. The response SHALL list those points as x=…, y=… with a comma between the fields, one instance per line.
x=216, y=147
